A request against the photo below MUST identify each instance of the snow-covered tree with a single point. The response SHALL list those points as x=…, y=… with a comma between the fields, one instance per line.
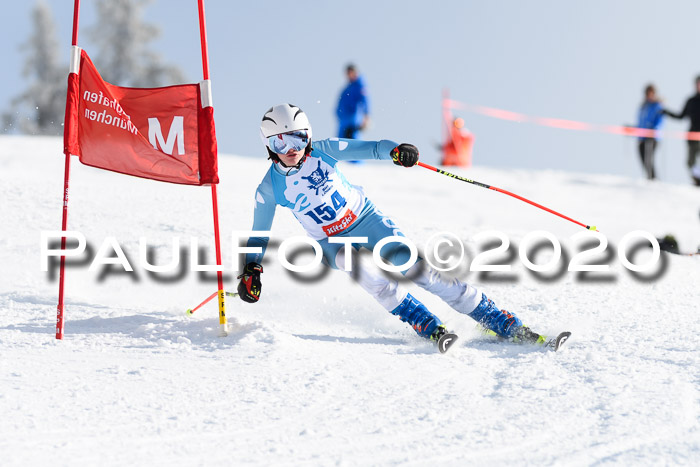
x=40, y=109
x=122, y=54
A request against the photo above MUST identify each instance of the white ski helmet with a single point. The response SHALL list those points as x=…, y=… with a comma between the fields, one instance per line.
x=284, y=118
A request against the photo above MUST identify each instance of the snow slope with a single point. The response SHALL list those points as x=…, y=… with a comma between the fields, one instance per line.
x=316, y=373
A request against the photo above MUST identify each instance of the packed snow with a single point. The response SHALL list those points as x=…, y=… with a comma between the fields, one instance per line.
x=317, y=373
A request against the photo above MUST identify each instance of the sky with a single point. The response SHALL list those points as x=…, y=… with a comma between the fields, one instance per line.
x=586, y=61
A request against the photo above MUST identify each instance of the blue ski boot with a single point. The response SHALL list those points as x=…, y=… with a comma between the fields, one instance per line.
x=506, y=325
x=413, y=312
x=501, y=322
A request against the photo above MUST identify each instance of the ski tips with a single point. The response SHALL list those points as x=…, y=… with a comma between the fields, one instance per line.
x=446, y=341
x=558, y=341
x=563, y=337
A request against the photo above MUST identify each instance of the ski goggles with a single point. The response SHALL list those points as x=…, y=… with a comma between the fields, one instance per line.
x=285, y=142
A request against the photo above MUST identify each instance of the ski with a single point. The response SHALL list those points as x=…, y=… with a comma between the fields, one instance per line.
x=526, y=336
x=556, y=342
x=531, y=338
x=446, y=341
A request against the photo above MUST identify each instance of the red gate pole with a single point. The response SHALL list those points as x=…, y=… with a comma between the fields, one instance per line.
x=60, y=309
x=446, y=115
x=215, y=204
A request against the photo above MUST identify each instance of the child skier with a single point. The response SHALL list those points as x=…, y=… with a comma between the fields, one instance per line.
x=304, y=177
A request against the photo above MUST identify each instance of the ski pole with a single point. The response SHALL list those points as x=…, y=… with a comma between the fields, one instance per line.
x=500, y=190
x=191, y=311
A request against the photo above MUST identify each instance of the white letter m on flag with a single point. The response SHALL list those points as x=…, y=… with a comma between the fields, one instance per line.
x=177, y=132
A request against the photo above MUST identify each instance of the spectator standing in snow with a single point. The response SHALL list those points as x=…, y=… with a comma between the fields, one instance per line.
x=305, y=177
x=692, y=110
x=353, y=105
x=650, y=117
x=457, y=150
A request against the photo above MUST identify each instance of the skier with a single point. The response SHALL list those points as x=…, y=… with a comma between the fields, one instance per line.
x=305, y=178
x=650, y=117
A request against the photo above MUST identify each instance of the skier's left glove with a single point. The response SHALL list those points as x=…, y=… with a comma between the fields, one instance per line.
x=250, y=286
x=405, y=155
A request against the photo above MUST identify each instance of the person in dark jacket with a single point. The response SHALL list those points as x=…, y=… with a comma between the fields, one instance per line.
x=692, y=110
x=353, y=106
x=650, y=117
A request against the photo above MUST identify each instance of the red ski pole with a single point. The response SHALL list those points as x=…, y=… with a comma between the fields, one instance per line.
x=191, y=311
x=206, y=300
x=483, y=185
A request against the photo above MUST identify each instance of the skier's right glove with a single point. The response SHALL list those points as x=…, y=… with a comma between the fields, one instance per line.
x=405, y=155
x=250, y=286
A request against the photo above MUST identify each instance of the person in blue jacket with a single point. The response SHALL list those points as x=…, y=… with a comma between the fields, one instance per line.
x=353, y=106
x=650, y=117
x=305, y=177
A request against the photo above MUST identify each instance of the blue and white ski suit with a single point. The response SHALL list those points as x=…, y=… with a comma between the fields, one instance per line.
x=327, y=205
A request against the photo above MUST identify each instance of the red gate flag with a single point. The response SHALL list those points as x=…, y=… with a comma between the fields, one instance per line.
x=122, y=129
x=164, y=134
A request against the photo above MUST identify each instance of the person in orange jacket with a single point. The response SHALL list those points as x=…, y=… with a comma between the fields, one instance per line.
x=457, y=150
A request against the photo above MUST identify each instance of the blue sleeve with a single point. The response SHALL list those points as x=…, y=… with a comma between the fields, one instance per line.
x=343, y=101
x=650, y=116
x=640, y=117
x=364, y=100
x=354, y=149
x=658, y=116
x=263, y=215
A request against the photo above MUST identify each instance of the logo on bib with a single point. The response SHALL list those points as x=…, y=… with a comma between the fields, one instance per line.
x=318, y=179
x=342, y=224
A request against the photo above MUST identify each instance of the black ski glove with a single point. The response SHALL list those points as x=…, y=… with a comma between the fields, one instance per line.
x=405, y=155
x=250, y=286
